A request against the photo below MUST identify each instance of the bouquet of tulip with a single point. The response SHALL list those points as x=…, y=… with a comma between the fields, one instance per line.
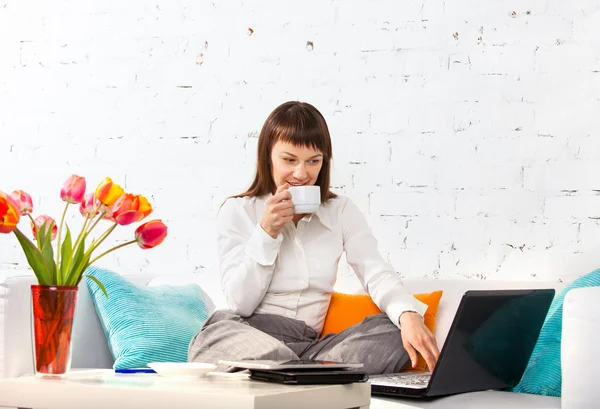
x=108, y=202
x=59, y=270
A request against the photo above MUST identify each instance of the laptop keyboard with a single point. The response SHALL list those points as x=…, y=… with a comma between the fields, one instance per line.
x=408, y=380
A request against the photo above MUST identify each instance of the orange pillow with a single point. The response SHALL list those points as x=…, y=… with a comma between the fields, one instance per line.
x=346, y=310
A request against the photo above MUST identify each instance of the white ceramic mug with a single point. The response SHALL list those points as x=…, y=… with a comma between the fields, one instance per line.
x=306, y=199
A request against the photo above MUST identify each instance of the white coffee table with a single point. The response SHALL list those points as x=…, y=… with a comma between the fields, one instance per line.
x=103, y=389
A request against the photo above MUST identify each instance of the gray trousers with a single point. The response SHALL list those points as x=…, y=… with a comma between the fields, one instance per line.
x=375, y=342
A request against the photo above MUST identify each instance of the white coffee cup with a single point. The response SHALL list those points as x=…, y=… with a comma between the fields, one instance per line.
x=306, y=199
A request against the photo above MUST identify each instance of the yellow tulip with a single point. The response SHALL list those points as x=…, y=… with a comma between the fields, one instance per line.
x=108, y=192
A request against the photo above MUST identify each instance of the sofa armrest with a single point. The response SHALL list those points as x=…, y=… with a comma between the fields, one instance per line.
x=89, y=345
x=580, y=348
x=90, y=349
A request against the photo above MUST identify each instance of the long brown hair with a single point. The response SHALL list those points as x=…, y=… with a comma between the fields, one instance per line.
x=300, y=124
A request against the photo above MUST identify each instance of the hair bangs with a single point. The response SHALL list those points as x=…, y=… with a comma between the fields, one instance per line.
x=305, y=138
x=302, y=129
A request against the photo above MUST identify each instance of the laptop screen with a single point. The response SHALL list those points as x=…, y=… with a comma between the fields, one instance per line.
x=490, y=341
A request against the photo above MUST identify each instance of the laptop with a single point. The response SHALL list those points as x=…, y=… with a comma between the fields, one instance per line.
x=488, y=346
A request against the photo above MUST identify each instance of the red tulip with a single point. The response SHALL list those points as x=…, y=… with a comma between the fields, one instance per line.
x=130, y=208
x=89, y=205
x=151, y=234
x=9, y=213
x=73, y=189
x=24, y=201
x=48, y=221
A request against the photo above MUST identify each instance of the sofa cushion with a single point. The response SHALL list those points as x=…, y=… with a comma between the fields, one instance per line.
x=179, y=280
x=543, y=373
x=346, y=310
x=146, y=324
x=579, y=349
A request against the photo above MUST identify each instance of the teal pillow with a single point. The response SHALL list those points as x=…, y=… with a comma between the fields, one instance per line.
x=146, y=324
x=542, y=375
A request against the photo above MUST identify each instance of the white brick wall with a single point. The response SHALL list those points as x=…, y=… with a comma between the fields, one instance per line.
x=468, y=133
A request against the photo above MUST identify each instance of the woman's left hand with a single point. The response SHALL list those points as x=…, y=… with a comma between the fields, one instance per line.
x=416, y=337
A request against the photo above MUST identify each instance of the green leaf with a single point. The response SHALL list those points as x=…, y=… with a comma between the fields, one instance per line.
x=78, y=265
x=97, y=282
x=66, y=255
x=45, y=240
x=40, y=237
x=34, y=258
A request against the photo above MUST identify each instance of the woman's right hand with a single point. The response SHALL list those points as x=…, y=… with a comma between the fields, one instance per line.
x=278, y=211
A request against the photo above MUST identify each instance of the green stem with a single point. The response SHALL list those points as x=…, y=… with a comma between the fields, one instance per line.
x=113, y=249
x=85, y=231
x=95, y=223
x=36, y=238
x=87, y=255
x=81, y=233
x=62, y=220
x=102, y=237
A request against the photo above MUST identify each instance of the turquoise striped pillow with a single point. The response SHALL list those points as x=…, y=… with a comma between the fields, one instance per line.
x=542, y=375
x=146, y=324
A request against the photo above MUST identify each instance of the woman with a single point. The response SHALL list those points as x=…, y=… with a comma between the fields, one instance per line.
x=278, y=268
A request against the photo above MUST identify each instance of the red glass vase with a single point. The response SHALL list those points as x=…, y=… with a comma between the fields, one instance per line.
x=53, y=311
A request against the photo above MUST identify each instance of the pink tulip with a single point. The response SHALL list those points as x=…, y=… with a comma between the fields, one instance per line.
x=39, y=221
x=24, y=201
x=73, y=189
x=89, y=205
x=151, y=234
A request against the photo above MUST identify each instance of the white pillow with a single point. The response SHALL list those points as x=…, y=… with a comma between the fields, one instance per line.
x=580, y=351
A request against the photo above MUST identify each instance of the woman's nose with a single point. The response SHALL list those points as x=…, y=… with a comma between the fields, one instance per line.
x=300, y=172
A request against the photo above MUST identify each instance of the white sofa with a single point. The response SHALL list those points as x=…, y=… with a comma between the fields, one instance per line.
x=90, y=348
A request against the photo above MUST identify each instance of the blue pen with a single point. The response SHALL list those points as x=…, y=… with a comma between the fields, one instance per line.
x=135, y=370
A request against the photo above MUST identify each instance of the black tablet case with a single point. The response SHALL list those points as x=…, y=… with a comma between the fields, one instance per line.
x=309, y=377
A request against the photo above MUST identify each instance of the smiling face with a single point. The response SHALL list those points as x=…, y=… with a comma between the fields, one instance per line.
x=296, y=165
x=294, y=146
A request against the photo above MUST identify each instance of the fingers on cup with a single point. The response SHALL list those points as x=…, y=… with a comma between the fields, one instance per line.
x=286, y=195
x=283, y=207
x=283, y=187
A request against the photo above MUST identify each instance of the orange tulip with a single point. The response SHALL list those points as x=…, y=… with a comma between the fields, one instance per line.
x=130, y=209
x=24, y=201
x=151, y=234
x=9, y=213
x=41, y=221
x=107, y=192
x=73, y=189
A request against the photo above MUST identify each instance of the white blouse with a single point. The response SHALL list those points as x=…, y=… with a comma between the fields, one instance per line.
x=294, y=274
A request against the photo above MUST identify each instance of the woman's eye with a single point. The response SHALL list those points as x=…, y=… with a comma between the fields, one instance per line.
x=289, y=160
